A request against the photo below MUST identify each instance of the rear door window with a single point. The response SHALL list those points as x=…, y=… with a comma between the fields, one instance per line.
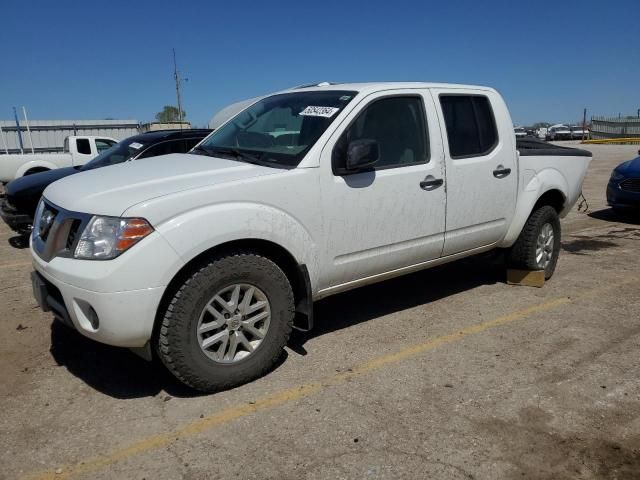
x=470, y=124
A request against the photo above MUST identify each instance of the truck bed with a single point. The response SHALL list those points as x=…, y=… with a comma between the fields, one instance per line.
x=532, y=146
x=538, y=162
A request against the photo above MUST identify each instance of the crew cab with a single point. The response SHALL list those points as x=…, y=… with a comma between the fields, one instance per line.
x=18, y=203
x=77, y=150
x=213, y=259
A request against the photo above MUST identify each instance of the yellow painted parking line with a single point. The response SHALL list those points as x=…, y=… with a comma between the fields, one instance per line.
x=290, y=395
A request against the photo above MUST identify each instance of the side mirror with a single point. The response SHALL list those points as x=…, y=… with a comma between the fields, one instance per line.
x=361, y=154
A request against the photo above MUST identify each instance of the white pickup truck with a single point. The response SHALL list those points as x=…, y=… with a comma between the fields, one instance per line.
x=211, y=258
x=77, y=150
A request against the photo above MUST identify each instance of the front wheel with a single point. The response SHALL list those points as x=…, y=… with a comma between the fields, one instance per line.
x=538, y=245
x=228, y=323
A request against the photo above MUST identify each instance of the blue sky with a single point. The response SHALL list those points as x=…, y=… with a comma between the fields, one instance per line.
x=86, y=60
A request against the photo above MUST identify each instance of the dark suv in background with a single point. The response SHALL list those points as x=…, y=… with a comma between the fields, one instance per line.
x=23, y=194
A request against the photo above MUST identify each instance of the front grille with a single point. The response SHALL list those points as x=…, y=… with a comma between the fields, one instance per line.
x=60, y=237
x=45, y=222
x=55, y=301
x=630, y=185
x=73, y=233
x=53, y=291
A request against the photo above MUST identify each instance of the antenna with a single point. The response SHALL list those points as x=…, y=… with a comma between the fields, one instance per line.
x=176, y=75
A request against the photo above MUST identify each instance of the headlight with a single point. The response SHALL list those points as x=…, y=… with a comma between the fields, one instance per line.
x=36, y=218
x=616, y=176
x=107, y=237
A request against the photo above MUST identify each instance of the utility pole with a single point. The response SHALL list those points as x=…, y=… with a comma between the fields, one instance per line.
x=18, y=129
x=177, y=78
x=26, y=122
x=4, y=141
x=584, y=122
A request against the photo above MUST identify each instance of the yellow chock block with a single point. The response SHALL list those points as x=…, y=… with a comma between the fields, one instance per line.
x=526, y=278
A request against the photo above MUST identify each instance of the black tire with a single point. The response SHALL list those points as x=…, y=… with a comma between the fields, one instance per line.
x=522, y=254
x=177, y=342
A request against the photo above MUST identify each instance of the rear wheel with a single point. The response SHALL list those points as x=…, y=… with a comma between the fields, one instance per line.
x=538, y=245
x=228, y=323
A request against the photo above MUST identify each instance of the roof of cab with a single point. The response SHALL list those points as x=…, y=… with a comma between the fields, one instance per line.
x=380, y=86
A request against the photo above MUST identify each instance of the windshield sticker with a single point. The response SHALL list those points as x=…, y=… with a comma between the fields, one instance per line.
x=326, y=112
x=344, y=98
x=135, y=145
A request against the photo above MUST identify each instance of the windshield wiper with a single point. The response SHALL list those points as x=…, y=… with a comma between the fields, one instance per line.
x=238, y=155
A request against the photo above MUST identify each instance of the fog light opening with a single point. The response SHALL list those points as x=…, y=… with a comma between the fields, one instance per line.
x=93, y=318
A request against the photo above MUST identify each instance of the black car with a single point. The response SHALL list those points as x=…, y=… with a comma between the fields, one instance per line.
x=23, y=194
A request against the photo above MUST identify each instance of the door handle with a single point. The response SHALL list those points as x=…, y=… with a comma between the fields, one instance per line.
x=431, y=183
x=501, y=172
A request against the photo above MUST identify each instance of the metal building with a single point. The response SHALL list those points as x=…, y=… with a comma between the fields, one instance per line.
x=49, y=135
x=615, y=127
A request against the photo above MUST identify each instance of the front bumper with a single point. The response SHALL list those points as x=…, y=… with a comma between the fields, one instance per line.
x=16, y=220
x=122, y=319
x=122, y=294
x=616, y=197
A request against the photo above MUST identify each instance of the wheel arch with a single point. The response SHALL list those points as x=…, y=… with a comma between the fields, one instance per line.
x=39, y=165
x=530, y=200
x=297, y=274
x=552, y=197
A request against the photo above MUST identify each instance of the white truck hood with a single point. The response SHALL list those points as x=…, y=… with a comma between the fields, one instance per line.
x=112, y=190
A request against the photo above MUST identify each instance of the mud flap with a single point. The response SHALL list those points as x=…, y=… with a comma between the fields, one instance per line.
x=303, y=320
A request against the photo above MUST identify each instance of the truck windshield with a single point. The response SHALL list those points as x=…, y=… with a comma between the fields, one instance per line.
x=279, y=130
x=120, y=152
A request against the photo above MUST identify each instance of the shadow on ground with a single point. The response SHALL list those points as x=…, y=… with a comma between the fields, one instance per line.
x=19, y=241
x=360, y=305
x=114, y=371
x=121, y=374
x=581, y=246
x=630, y=216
